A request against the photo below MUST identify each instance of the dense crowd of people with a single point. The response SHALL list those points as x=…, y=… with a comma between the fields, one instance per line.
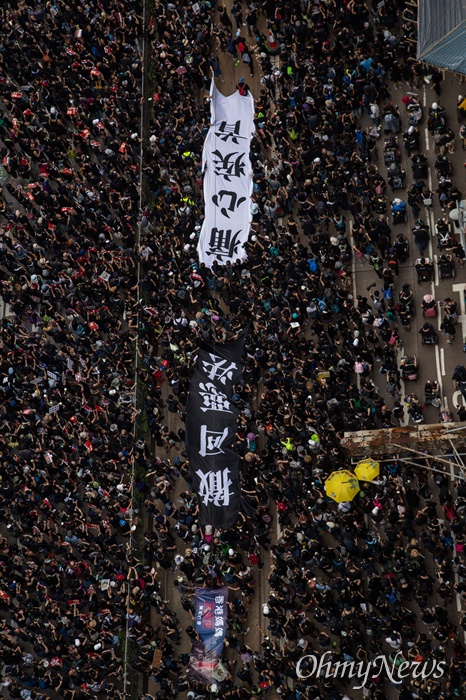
x=103, y=294
x=70, y=91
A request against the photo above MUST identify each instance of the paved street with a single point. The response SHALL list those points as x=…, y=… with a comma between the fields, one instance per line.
x=435, y=362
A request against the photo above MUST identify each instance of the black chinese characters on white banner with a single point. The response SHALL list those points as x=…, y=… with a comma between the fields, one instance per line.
x=227, y=178
x=211, y=423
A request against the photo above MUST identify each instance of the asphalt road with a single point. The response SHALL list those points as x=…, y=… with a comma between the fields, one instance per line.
x=434, y=362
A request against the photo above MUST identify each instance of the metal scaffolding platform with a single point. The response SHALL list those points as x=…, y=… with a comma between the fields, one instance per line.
x=422, y=438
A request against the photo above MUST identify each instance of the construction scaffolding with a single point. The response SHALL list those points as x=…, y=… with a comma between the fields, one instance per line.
x=442, y=443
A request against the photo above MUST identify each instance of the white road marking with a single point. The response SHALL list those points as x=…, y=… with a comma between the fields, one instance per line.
x=442, y=361
x=353, y=273
x=436, y=274
x=462, y=317
x=432, y=288
x=439, y=375
x=401, y=354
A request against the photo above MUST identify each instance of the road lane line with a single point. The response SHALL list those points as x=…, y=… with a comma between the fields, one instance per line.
x=436, y=275
x=439, y=374
x=442, y=361
x=355, y=292
x=462, y=317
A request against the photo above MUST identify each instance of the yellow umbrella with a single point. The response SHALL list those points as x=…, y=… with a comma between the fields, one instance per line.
x=341, y=486
x=367, y=470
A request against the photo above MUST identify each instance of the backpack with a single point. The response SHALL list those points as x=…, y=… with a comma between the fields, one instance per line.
x=459, y=373
x=313, y=266
x=387, y=294
x=312, y=310
x=322, y=304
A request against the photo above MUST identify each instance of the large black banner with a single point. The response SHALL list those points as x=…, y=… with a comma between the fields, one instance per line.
x=211, y=423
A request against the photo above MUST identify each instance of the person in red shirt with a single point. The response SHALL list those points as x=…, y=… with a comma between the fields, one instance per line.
x=242, y=87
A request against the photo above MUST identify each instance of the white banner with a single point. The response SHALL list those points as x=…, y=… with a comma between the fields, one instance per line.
x=227, y=178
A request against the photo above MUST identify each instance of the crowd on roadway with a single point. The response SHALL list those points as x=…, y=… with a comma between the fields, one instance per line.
x=84, y=295
x=70, y=103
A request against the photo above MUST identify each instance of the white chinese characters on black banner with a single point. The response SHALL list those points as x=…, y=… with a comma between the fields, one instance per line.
x=211, y=422
x=227, y=179
x=214, y=487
